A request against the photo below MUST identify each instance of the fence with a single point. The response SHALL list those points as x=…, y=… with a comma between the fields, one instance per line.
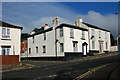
x=9, y=59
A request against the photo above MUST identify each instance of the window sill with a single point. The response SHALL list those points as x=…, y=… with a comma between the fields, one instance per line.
x=5, y=39
x=82, y=38
x=72, y=37
x=61, y=36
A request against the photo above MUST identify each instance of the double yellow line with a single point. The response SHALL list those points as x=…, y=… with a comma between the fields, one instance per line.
x=90, y=71
x=31, y=65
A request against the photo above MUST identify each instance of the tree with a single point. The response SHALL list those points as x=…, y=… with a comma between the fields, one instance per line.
x=38, y=30
x=113, y=41
x=24, y=36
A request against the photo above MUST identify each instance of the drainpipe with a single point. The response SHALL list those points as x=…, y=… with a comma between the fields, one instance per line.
x=89, y=38
x=56, y=42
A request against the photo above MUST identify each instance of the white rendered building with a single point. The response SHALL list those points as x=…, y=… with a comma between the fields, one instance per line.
x=10, y=39
x=65, y=40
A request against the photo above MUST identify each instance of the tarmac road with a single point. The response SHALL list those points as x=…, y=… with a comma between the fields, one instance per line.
x=100, y=68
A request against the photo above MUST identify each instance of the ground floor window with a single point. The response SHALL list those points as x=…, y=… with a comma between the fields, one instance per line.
x=44, y=49
x=29, y=50
x=61, y=47
x=106, y=45
x=75, y=49
x=93, y=44
x=36, y=49
x=5, y=50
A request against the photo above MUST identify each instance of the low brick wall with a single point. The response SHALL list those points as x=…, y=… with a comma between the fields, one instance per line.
x=9, y=59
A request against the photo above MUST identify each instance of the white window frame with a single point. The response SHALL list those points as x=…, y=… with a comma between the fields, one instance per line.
x=83, y=34
x=6, y=51
x=6, y=33
x=93, y=32
x=106, y=45
x=99, y=34
x=61, y=47
x=61, y=32
x=44, y=49
x=44, y=36
x=29, y=50
x=106, y=35
x=71, y=33
x=93, y=44
x=36, y=49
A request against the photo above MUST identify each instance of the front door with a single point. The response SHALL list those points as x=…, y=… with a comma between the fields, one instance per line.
x=84, y=47
x=101, y=47
x=84, y=50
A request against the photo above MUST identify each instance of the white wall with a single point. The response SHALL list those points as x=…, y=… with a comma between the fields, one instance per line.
x=96, y=39
x=15, y=39
x=39, y=41
x=68, y=42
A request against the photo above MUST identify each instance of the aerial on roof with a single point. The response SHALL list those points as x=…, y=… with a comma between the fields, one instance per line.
x=4, y=24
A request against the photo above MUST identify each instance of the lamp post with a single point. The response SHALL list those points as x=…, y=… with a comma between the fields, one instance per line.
x=116, y=27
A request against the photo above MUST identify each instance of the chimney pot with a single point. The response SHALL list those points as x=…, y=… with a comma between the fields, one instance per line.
x=46, y=24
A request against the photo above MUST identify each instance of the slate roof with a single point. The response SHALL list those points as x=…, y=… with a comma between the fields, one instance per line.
x=4, y=24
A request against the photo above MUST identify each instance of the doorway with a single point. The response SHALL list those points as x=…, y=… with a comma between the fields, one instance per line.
x=84, y=47
x=75, y=48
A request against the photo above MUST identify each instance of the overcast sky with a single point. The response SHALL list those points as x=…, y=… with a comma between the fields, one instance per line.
x=32, y=15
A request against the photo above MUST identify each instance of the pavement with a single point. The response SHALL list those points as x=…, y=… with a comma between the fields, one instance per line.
x=91, y=67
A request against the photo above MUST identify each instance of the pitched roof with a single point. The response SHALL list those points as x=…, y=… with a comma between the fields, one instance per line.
x=93, y=26
x=4, y=24
x=41, y=32
x=71, y=26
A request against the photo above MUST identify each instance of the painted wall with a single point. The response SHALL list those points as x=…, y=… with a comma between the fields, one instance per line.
x=68, y=42
x=96, y=39
x=40, y=42
x=14, y=41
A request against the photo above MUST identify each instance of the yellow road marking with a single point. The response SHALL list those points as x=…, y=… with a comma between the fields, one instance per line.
x=31, y=65
x=90, y=71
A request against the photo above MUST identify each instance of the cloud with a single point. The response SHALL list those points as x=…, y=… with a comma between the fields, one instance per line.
x=48, y=20
x=103, y=21
x=95, y=18
x=35, y=15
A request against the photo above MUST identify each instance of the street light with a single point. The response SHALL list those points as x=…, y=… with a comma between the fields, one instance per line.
x=116, y=27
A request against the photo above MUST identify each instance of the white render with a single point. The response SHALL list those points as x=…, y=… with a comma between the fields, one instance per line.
x=14, y=40
x=97, y=39
x=52, y=36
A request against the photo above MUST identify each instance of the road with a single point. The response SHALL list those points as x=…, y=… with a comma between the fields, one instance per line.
x=105, y=68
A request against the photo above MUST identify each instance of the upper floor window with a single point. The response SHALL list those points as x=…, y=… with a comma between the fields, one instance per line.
x=83, y=34
x=61, y=32
x=5, y=33
x=99, y=34
x=44, y=36
x=106, y=36
x=33, y=39
x=71, y=33
x=93, y=32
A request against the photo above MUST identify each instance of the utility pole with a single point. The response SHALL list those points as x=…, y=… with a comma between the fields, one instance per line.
x=116, y=23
